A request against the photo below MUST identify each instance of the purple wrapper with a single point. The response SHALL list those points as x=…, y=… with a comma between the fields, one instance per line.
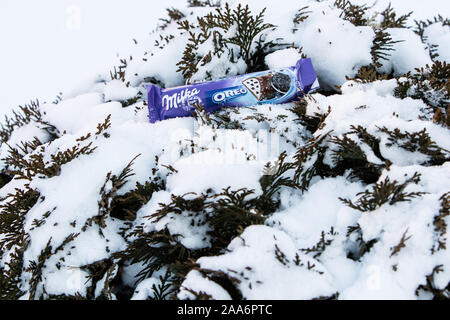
x=272, y=86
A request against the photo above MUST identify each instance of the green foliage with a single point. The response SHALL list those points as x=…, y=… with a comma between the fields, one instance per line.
x=430, y=287
x=28, y=160
x=402, y=244
x=124, y=207
x=201, y=115
x=13, y=210
x=346, y=154
x=421, y=25
x=174, y=15
x=109, y=280
x=225, y=215
x=312, y=123
x=326, y=239
x=4, y=179
x=10, y=276
x=382, y=44
x=66, y=297
x=384, y=192
x=106, y=273
x=362, y=247
x=35, y=164
x=440, y=224
x=131, y=101
x=347, y=149
x=203, y=3
x=417, y=142
x=108, y=192
x=356, y=14
x=284, y=260
x=12, y=215
x=370, y=140
x=158, y=249
x=366, y=171
x=32, y=159
x=272, y=181
x=27, y=113
x=420, y=30
x=428, y=22
x=227, y=282
x=101, y=129
x=246, y=42
x=119, y=71
x=35, y=268
x=248, y=28
x=430, y=84
x=334, y=296
x=390, y=19
x=309, y=161
x=442, y=117
x=301, y=15
x=26, y=147
x=219, y=119
x=165, y=289
x=349, y=155
x=367, y=75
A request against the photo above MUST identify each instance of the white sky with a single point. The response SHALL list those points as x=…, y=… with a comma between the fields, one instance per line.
x=48, y=46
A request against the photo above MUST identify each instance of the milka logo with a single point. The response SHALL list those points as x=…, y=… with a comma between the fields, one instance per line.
x=178, y=99
x=229, y=94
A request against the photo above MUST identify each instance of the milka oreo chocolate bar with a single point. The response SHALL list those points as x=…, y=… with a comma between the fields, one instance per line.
x=273, y=86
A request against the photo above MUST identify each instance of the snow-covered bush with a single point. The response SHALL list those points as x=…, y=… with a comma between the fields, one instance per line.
x=225, y=43
x=343, y=194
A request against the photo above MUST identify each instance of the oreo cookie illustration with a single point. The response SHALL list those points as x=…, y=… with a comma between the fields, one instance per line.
x=281, y=82
x=260, y=87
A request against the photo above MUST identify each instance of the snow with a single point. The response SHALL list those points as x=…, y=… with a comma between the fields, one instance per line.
x=150, y=65
x=326, y=42
x=409, y=53
x=282, y=58
x=144, y=289
x=117, y=90
x=304, y=249
x=306, y=218
x=422, y=10
x=30, y=131
x=252, y=256
x=214, y=290
x=201, y=170
x=80, y=108
x=439, y=35
x=380, y=106
x=68, y=281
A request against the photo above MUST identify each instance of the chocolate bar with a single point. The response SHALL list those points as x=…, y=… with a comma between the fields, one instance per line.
x=272, y=86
